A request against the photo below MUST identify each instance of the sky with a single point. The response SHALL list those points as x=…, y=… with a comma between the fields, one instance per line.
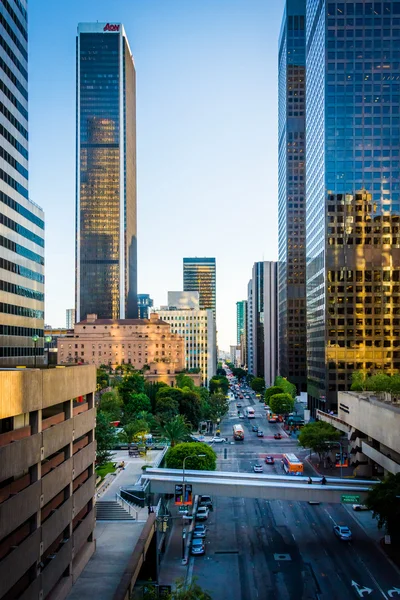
x=206, y=75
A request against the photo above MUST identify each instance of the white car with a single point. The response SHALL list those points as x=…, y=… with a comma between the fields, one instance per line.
x=217, y=440
x=202, y=513
x=258, y=468
x=360, y=507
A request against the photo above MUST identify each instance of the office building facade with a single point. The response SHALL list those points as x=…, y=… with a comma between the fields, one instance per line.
x=250, y=349
x=47, y=479
x=21, y=221
x=240, y=319
x=291, y=193
x=70, y=318
x=353, y=196
x=199, y=274
x=265, y=320
x=144, y=305
x=106, y=237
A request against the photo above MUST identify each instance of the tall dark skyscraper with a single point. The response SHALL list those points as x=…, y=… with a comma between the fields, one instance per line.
x=106, y=243
x=199, y=275
x=21, y=221
x=292, y=201
x=353, y=193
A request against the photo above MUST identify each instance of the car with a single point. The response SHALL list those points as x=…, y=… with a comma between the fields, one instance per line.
x=270, y=460
x=277, y=436
x=260, y=433
x=241, y=416
x=254, y=428
x=314, y=502
x=206, y=501
x=217, y=440
x=198, y=546
x=360, y=507
x=247, y=397
x=199, y=531
x=239, y=405
x=342, y=532
x=258, y=468
x=202, y=513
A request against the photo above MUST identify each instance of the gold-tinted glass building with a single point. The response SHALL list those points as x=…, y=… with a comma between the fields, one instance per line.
x=106, y=246
x=199, y=275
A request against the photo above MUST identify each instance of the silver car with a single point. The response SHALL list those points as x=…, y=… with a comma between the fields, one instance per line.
x=343, y=533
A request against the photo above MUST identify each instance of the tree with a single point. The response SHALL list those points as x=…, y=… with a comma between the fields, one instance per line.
x=288, y=388
x=378, y=383
x=111, y=403
x=258, y=384
x=166, y=409
x=183, y=381
x=357, y=381
x=102, y=379
x=133, y=429
x=271, y=391
x=136, y=404
x=175, y=431
x=317, y=435
x=175, y=455
x=131, y=384
x=191, y=592
x=219, y=384
x=218, y=406
x=239, y=373
x=384, y=501
x=105, y=437
x=151, y=389
x=281, y=404
x=190, y=407
x=221, y=372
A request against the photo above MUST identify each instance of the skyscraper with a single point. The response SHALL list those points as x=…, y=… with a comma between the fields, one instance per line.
x=353, y=194
x=70, y=318
x=240, y=319
x=21, y=221
x=144, y=305
x=250, y=349
x=292, y=203
x=199, y=274
x=106, y=244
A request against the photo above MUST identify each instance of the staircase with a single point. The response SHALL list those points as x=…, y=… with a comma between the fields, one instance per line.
x=110, y=510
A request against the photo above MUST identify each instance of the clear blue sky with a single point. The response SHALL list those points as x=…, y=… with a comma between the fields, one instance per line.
x=206, y=139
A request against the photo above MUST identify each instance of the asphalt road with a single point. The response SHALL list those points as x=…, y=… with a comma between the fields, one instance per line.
x=257, y=549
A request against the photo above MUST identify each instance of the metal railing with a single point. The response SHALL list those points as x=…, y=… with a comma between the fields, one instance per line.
x=127, y=506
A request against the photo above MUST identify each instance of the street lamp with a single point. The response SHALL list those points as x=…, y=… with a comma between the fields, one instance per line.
x=35, y=339
x=341, y=456
x=47, y=340
x=183, y=495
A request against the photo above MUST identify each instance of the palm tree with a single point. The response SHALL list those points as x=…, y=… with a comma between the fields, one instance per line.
x=175, y=431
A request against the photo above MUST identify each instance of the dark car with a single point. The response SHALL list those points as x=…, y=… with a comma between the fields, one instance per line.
x=254, y=428
x=198, y=546
x=270, y=460
x=277, y=436
x=206, y=501
x=260, y=433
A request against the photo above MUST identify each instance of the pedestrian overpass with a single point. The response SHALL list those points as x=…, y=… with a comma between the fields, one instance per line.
x=255, y=485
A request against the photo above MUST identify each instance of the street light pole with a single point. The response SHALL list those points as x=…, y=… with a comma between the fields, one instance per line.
x=341, y=457
x=35, y=339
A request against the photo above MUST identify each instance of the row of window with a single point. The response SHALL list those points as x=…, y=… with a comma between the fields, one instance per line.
x=12, y=35
x=14, y=184
x=14, y=17
x=339, y=9
x=20, y=270
x=13, y=141
x=13, y=162
x=12, y=351
x=13, y=57
x=21, y=88
x=8, y=93
x=21, y=311
x=21, y=250
x=24, y=212
x=12, y=288
x=20, y=331
x=4, y=110
x=27, y=233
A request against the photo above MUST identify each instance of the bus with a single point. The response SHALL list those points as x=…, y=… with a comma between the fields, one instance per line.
x=292, y=465
x=249, y=412
x=238, y=433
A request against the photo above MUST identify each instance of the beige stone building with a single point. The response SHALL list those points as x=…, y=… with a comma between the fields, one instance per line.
x=47, y=479
x=159, y=371
x=137, y=342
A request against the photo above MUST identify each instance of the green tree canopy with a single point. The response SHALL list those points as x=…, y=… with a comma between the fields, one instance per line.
x=219, y=384
x=189, y=592
x=357, y=381
x=151, y=389
x=271, y=391
x=166, y=408
x=183, y=380
x=175, y=455
x=258, y=384
x=281, y=404
x=190, y=407
x=105, y=437
x=170, y=392
x=111, y=403
x=384, y=501
x=215, y=407
x=317, y=435
x=221, y=372
x=288, y=388
x=136, y=404
x=102, y=379
x=175, y=431
x=132, y=429
x=239, y=373
x=132, y=383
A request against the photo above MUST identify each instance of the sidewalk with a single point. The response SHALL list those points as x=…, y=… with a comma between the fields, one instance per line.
x=115, y=541
x=171, y=567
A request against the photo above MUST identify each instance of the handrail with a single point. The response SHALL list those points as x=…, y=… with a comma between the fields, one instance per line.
x=122, y=502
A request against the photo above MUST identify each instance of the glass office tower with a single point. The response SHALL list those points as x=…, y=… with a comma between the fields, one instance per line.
x=106, y=244
x=241, y=308
x=292, y=202
x=353, y=203
x=21, y=221
x=199, y=275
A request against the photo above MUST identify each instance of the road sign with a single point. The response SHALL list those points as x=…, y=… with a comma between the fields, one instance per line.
x=350, y=499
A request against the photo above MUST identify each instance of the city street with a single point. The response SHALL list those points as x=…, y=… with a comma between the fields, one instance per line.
x=287, y=550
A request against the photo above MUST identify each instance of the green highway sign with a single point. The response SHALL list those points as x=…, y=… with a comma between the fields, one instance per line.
x=350, y=499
